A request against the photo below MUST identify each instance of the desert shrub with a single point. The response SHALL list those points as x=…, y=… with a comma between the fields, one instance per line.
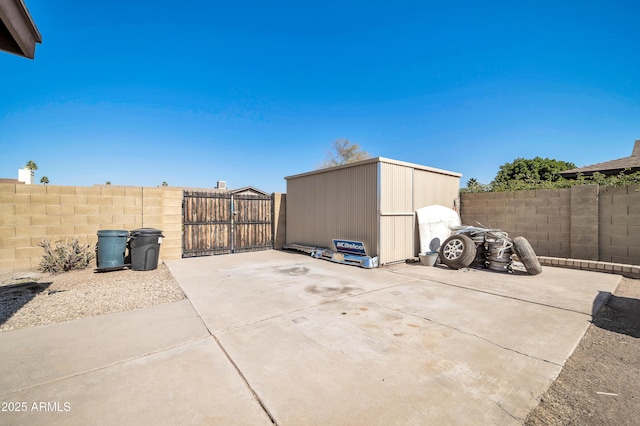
x=65, y=256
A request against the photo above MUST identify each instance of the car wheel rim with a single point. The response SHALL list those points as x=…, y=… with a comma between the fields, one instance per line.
x=453, y=249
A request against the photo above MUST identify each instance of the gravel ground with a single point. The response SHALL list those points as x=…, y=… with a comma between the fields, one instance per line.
x=30, y=299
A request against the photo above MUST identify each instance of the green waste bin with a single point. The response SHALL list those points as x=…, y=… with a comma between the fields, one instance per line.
x=144, y=248
x=111, y=247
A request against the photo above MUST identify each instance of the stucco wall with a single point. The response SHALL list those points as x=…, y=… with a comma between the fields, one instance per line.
x=279, y=220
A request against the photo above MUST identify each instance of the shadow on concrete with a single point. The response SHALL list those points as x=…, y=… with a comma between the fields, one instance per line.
x=620, y=315
x=14, y=296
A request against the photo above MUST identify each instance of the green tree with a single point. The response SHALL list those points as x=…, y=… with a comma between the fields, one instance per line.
x=44, y=180
x=474, y=186
x=165, y=184
x=31, y=166
x=342, y=152
x=108, y=182
x=523, y=173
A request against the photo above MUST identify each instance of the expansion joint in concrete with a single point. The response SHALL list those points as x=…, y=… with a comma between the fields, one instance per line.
x=499, y=295
x=239, y=371
x=478, y=337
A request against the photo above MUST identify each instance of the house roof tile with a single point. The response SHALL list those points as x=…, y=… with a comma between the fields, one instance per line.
x=612, y=167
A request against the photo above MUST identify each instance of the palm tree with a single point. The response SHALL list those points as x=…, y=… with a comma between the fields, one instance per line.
x=31, y=166
x=44, y=180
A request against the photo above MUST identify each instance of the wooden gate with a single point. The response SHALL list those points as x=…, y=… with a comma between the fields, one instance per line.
x=226, y=222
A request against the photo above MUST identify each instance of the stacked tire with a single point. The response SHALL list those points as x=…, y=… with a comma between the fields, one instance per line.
x=460, y=251
x=499, y=256
x=527, y=256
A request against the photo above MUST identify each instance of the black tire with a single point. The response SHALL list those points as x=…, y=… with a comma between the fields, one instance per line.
x=458, y=251
x=527, y=256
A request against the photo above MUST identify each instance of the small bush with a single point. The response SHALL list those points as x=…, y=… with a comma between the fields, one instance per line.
x=621, y=179
x=65, y=256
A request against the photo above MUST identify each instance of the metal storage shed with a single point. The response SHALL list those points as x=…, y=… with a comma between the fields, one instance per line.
x=372, y=201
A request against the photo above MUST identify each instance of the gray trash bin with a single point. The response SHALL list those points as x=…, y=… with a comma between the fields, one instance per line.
x=111, y=246
x=144, y=248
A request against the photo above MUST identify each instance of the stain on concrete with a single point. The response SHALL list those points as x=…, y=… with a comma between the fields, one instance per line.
x=331, y=291
x=295, y=271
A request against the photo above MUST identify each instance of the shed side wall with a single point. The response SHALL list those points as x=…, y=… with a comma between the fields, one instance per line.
x=337, y=204
x=434, y=188
x=405, y=189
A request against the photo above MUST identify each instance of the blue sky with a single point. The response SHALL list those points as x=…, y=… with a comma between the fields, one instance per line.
x=141, y=92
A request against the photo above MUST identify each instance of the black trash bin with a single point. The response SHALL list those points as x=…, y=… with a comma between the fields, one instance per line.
x=144, y=248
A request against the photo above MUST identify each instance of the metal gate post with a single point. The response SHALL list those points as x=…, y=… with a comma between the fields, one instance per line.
x=232, y=225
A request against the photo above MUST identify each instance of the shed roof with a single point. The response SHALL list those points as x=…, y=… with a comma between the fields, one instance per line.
x=613, y=167
x=377, y=160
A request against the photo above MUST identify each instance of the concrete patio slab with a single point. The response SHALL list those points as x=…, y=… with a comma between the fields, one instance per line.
x=191, y=383
x=355, y=362
x=324, y=343
x=232, y=291
x=570, y=289
x=33, y=356
x=543, y=332
x=157, y=365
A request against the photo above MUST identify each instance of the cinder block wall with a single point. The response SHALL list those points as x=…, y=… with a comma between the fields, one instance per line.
x=619, y=224
x=30, y=213
x=584, y=222
x=542, y=217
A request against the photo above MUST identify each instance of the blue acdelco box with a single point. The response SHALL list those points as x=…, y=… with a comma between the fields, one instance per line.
x=350, y=247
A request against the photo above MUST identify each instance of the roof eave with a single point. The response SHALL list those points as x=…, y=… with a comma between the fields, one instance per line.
x=22, y=31
x=571, y=174
x=376, y=160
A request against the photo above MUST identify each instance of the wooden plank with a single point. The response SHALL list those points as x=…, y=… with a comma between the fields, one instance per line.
x=207, y=218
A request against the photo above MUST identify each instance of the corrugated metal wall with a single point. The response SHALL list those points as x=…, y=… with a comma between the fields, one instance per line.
x=340, y=203
x=396, y=212
x=344, y=203
x=404, y=189
x=434, y=188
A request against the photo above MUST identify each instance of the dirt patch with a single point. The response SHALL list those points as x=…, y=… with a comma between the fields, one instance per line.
x=600, y=382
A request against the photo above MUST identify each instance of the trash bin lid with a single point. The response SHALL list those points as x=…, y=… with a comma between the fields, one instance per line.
x=146, y=231
x=113, y=233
